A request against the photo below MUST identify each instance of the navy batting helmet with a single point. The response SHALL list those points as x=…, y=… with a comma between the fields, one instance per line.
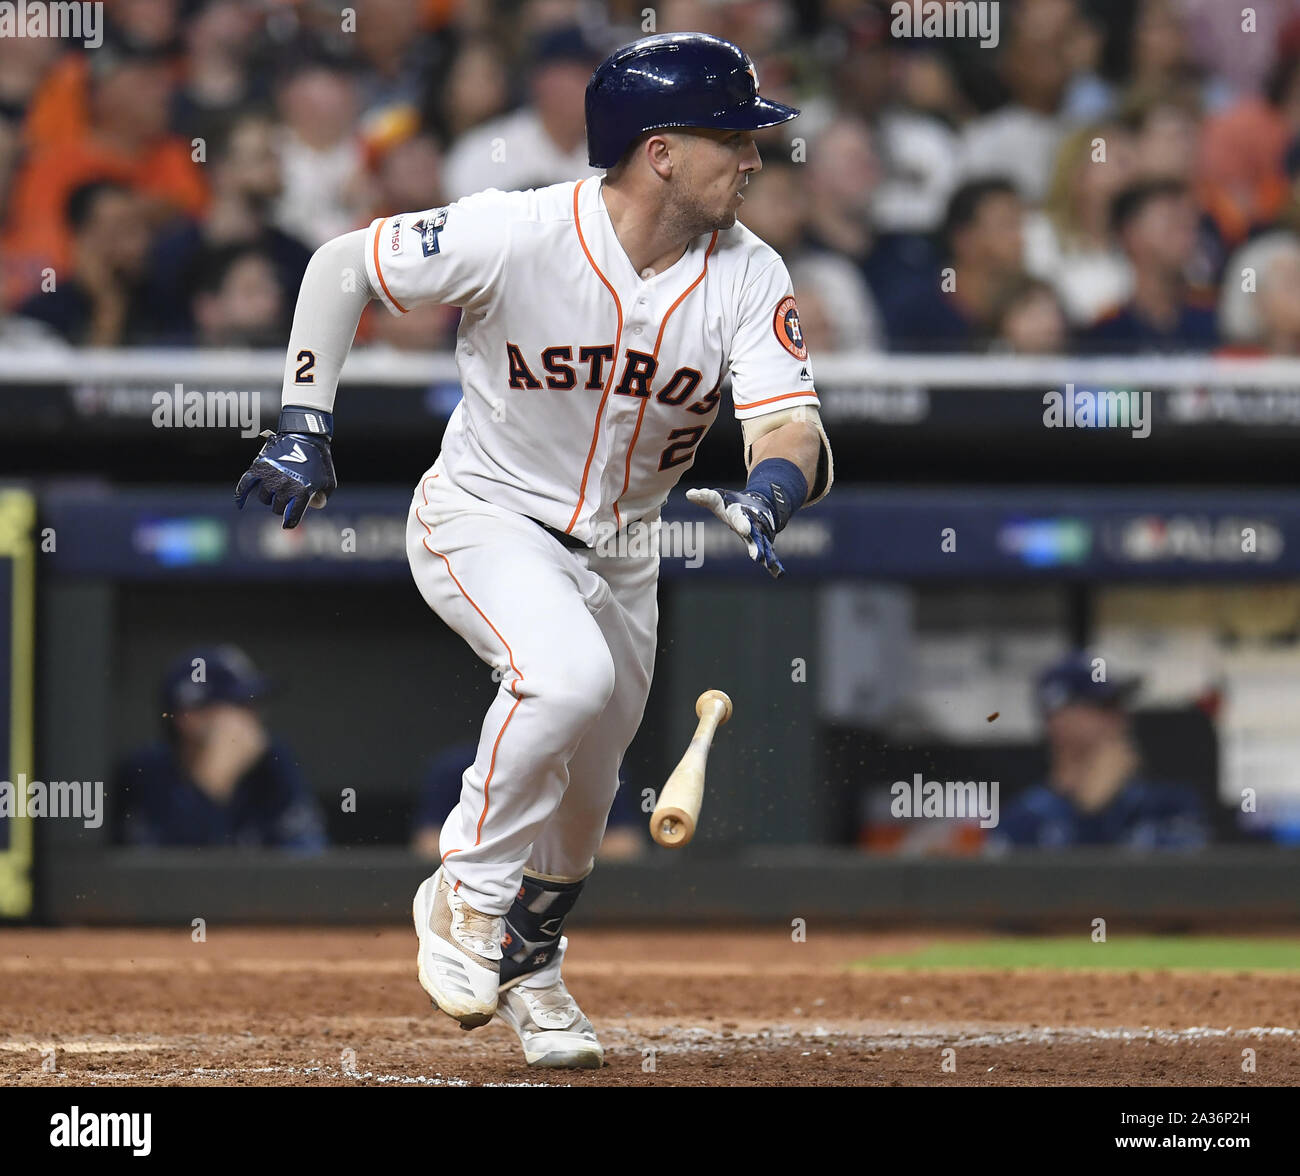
x=673, y=80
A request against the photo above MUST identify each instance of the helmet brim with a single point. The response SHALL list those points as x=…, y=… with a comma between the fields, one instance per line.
x=760, y=113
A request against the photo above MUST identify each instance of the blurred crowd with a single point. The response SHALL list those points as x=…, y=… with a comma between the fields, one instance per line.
x=1114, y=175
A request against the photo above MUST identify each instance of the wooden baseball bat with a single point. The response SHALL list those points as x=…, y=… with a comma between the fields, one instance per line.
x=672, y=824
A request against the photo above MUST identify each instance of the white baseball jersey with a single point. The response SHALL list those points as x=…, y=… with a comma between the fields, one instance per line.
x=588, y=388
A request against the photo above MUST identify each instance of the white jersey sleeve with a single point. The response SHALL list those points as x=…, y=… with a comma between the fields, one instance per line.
x=451, y=256
x=769, y=364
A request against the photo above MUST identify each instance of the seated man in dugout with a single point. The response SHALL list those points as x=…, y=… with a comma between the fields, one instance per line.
x=1096, y=792
x=218, y=777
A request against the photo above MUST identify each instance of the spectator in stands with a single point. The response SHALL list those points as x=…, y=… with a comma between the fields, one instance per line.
x=1279, y=302
x=843, y=174
x=1242, y=177
x=1021, y=138
x=624, y=836
x=219, y=777
x=221, y=83
x=1259, y=308
x=1239, y=65
x=396, y=58
x=25, y=67
x=1095, y=793
x=544, y=142
x=321, y=157
x=476, y=88
x=1156, y=223
x=1069, y=242
x=985, y=246
x=409, y=176
x=1163, y=57
x=914, y=150
x=1167, y=132
x=776, y=209
x=100, y=301
x=237, y=298
x=150, y=24
x=127, y=141
x=246, y=181
x=1028, y=319
x=61, y=107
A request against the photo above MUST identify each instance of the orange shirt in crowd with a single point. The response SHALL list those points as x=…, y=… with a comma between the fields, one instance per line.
x=1242, y=180
x=60, y=106
x=35, y=233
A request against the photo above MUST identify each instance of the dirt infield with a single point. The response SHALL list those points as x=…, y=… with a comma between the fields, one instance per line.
x=338, y=1008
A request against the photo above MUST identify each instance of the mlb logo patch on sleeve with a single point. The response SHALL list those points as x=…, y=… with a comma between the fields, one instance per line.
x=786, y=325
x=428, y=228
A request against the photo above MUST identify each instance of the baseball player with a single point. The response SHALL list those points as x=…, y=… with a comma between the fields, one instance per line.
x=599, y=320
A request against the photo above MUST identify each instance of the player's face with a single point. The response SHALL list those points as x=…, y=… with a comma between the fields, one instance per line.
x=713, y=171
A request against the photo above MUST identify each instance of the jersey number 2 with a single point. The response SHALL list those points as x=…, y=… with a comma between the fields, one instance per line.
x=683, y=449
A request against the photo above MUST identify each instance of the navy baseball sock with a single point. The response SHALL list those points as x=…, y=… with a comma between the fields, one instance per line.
x=533, y=924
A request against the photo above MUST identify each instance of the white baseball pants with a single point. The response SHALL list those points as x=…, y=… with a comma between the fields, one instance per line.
x=572, y=635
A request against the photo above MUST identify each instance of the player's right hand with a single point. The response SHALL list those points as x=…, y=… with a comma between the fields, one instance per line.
x=751, y=516
x=294, y=468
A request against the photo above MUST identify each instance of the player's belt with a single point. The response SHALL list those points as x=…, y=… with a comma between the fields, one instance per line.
x=572, y=542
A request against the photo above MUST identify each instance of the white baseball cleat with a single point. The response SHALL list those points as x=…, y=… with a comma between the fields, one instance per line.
x=554, y=1032
x=460, y=952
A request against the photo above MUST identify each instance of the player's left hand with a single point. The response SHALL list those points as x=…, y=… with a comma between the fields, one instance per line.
x=751, y=516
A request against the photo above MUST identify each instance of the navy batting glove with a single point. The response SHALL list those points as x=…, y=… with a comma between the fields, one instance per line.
x=776, y=489
x=294, y=469
x=750, y=516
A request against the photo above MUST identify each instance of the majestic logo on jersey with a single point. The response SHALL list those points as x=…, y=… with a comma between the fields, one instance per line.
x=786, y=325
x=428, y=228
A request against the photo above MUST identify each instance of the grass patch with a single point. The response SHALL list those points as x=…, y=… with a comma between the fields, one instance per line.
x=1124, y=952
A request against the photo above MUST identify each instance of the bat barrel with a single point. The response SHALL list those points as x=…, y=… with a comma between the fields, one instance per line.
x=673, y=827
x=707, y=699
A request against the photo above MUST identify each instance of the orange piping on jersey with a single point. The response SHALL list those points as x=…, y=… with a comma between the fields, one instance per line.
x=774, y=399
x=492, y=766
x=613, y=367
x=627, y=467
x=380, y=273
